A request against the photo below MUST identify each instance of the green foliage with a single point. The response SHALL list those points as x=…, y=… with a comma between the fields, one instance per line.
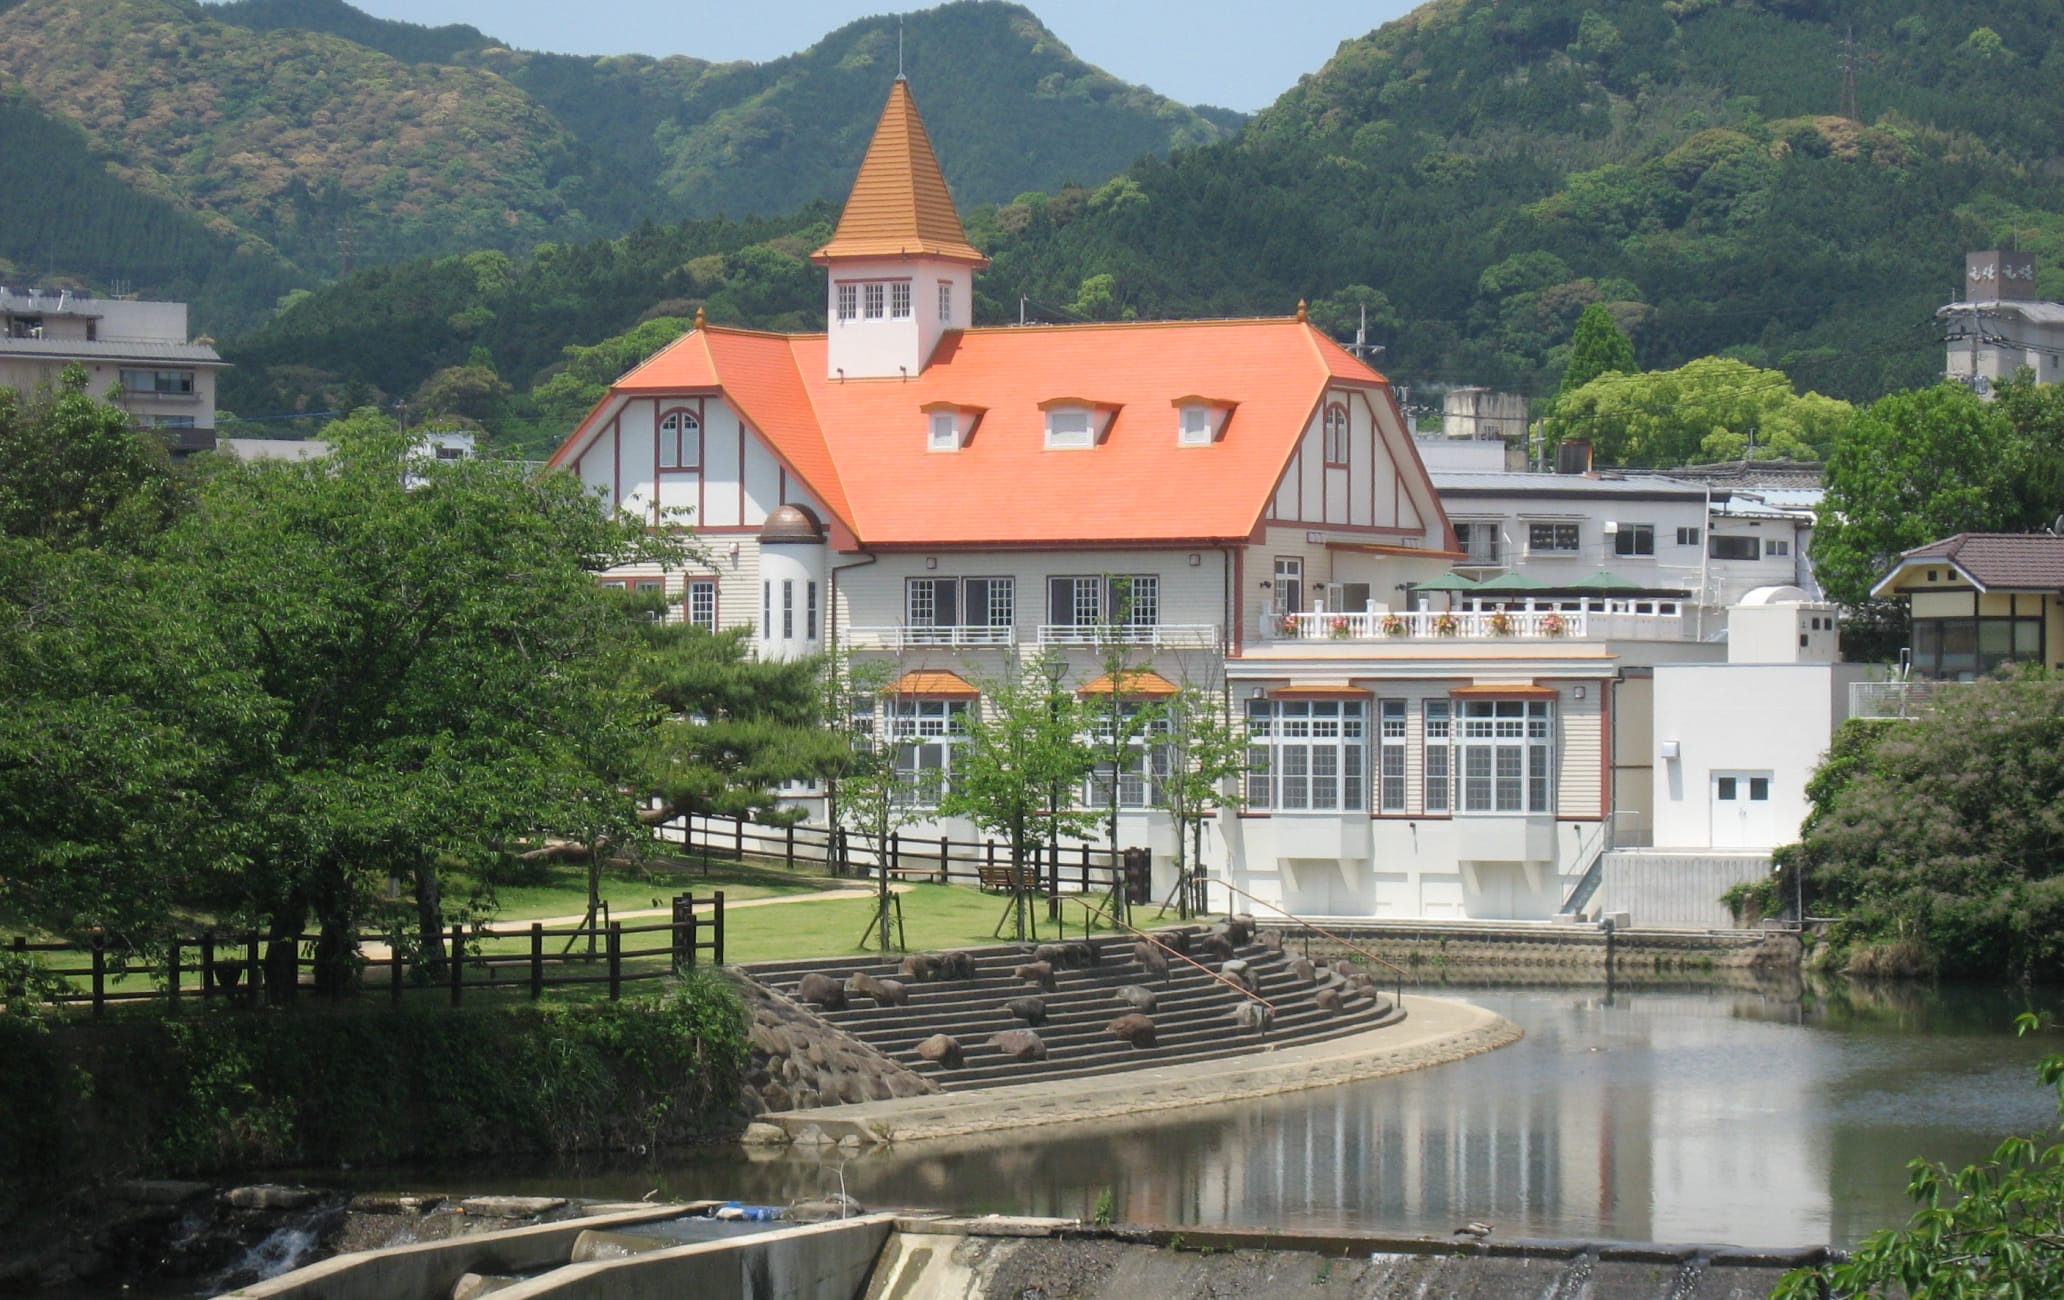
x=1941, y=833
x=1917, y=467
x=1714, y=408
x=77, y=474
x=1989, y=1229
x=237, y=1091
x=1599, y=347
x=1101, y=1214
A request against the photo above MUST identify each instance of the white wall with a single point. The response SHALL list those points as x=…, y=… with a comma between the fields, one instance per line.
x=886, y=348
x=740, y=482
x=1774, y=718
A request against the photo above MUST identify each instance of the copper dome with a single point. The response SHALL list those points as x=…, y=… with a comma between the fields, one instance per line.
x=792, y=525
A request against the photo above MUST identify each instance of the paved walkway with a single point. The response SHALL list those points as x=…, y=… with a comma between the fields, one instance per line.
x=1435, y=1031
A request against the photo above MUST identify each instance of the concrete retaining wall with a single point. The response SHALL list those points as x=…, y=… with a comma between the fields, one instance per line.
x=1431, y=951
x=1660, y=888
x=824, y=1259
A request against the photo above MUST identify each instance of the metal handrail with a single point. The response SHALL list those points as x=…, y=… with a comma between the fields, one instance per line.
x=1312, y=925
x=1117, y=924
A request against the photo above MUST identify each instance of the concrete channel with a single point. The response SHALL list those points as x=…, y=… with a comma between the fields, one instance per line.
x=642, y=1255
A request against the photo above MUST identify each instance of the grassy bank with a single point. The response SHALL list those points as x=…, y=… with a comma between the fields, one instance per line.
x=168, y=1097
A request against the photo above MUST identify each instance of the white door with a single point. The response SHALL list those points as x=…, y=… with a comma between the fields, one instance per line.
x=1741, y=811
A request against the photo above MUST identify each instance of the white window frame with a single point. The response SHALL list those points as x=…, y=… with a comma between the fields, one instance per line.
x=1627, y=541
x=1554, y=530
x=1140, y=772
x=945, y=432
x=1070, y=428
x=1336, y=427
x=899, y=300
x=699, y=603
x=1506, y=758
x=1307, y=756
x=945, y=302
x=1393, y=770
x=1437, y=760
x=1193, y=427
x=680, y=441
x=928, y=733
x=873, y=300
x=848, y=301
x=1777, y=547
x=999, y=601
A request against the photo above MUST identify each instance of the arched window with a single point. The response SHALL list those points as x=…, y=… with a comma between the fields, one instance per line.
x=680, y=441
x=1336, y=435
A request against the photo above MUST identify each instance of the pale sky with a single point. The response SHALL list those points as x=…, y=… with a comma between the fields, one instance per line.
x=1233, y=53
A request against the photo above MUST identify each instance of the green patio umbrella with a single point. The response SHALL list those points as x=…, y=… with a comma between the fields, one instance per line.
x=1604, y=580
x=1509, y=582
x=1447, y=582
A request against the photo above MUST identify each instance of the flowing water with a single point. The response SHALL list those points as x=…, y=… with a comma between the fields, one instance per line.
x=1752, y=1117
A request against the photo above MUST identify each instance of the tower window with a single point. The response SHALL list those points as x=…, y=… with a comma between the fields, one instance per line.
x=945, y=302
x=899, y=300
x=872, y=295
x=848, y=301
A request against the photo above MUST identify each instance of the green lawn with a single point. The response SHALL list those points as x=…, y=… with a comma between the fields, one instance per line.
x=565, y=893
x=935, y=917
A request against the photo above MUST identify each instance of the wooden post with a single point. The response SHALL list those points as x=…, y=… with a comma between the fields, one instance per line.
x=717, y=953
x=738, y=836
x=537, y=960
x=788, y=848
x=207, y=966
x=683, y=932
x=172, y=975
x=458, y=964
x=895, y=852
x=394, y=972
x=1085, y=868
x=99, y=971
x=943, y=847
x=616, y=960
x=688, y=835
x=253, y=977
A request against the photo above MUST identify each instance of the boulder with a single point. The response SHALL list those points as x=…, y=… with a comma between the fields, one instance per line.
x=941, y=1049
x=1239, y=972
x=1040, y=973
x=1256, y=1016
x=822, y=991
x=1272, y=941
x=765, y=1135
x=1030, y=1010
x=1136, y=997
x=1301, y=970
x=1066, y=956
x=1329, y=999
x=919, y=967
x=1133, y=1028
x=954, y=966
x=1151, y=959
x=1240, y=929
x=1019, y=1045
x=1180, y=938
x=1214, y=947
x=884, y=992
x=273, y=1196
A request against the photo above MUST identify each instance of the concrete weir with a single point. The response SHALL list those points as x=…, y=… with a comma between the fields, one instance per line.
x=885, y=1257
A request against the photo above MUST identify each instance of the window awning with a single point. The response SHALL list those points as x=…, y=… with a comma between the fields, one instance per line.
x=1505, y=691
x=937, y=684
x=1140, y=684
x=1318, y=691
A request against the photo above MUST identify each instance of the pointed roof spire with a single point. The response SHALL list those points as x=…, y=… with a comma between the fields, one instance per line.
x=900, y=205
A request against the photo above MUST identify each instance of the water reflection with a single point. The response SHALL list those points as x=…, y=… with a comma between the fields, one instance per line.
x=1758, y=1116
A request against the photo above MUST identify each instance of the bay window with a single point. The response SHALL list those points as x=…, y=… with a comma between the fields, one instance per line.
x=1506, y=765
x=1306, y=755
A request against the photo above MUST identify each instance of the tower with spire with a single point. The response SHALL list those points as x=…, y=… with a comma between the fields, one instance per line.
x=901, y=268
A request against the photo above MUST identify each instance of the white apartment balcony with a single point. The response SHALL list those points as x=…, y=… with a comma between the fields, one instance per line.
x=1159, y=636
x=957, y=636
x=1464, y=625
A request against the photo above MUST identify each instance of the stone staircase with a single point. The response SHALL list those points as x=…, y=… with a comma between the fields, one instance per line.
x=1192, y=1016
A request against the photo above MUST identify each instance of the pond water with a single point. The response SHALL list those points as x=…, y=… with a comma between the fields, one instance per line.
x=1758, y=1116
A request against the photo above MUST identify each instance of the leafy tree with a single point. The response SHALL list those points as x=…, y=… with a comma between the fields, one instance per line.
x=1910, y=469
x=1715, y=408
x=1598, y=347
x=1989, y=1229
x=471, y=392
x=1024, y=745
x=77, y=473
x=871, y=795
x=424, y=655
x=1937, y=840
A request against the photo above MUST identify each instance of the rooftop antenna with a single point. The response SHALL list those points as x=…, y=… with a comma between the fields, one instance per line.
x=899, y=49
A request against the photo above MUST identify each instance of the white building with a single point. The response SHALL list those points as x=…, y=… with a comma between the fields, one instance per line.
x=137, y=353
x=2000, y=327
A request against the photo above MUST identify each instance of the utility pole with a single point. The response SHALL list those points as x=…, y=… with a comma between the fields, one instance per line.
x=1849, y=75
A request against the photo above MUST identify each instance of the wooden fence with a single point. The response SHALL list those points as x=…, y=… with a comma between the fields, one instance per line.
x=229, y=969
x=1079, y=868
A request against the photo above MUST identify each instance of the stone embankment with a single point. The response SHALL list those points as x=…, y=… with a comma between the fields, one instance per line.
x=1551, y=951
x=798, y=1061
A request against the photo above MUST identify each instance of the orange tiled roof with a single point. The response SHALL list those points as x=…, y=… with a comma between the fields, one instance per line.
x=861, y=447
x=900, y=204
x=938, y=684
x=1139, y=684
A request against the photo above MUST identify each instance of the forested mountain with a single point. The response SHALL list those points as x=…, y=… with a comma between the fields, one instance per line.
x=1473, y=175
x=328, y=139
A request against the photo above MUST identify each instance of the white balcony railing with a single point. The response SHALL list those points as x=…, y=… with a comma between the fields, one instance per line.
x=955, y=636
x=1161, y=636
x=1466, y=625
x=1896, y=699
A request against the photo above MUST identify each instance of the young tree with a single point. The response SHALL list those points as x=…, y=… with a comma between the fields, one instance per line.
x=872, y=794
x=1597, y=347
x=1121, y=720
x=1025, y=744
x=1207, y=753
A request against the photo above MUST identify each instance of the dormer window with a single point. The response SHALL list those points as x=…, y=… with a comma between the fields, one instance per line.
x=680, y=441
x=949, y=425
x=1200, y=421
x=1069, y=428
